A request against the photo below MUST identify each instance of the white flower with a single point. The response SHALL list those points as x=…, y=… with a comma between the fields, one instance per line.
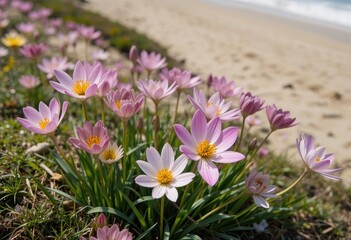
x=163, y=174
x=3, y=52
x=111, y=154
x=99, y=55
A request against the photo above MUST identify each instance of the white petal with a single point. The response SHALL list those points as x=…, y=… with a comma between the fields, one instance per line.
x=146, y=181
x=154, y=158
x=147, y=168
x=183, y=179
x=158, y=191
x=172, y=193
x=167, y=156
x=179, y=165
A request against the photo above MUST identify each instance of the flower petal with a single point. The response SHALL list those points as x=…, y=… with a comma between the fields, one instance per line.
x=158, y=191
x=208, y=171
x=167, y=156
x=146, y=181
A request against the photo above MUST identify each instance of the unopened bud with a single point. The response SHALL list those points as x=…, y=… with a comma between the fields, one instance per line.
x=101, y=221
x=209, y=80
x=253, y=144
x=133, y=54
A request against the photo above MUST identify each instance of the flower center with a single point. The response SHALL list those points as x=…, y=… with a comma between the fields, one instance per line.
x=318, y=159
x=93, y=140
x=80, y=86
x=219, y=112
x=206, y=149
x=164, y=176
x=259, y=182
x=118, y=104
x=109, y=154
x=43, y=123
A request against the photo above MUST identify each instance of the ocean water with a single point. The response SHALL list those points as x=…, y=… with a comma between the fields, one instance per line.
x=329, y=11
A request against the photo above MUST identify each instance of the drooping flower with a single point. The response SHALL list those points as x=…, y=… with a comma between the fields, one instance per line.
x=257, y=185
x=55, y=63
x=278, y=118
x=208, y=145
x=91, y=139
x=46, y=120
x=156, y=90
x=183, y=79
x=13, y=40
x=125, y=103
x=250, y=104
x=112, y=233
x=163, y=174
x=225, y=89
x=88, y=32
x=151, y=61
x=253, y=121
x=214, y=107
x=316, y=159
x=26, y=28
x=29, y=81
x=84, y=84
x=111, y=154
x=33, y=51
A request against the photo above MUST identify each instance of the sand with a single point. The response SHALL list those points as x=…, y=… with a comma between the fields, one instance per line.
x=300, y=67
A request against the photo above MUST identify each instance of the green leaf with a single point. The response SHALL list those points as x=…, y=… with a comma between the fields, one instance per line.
x=45, y=191
x=136, y=212
x=146, y=232
x=191, y=237
x=113, y=211
x=64, y=194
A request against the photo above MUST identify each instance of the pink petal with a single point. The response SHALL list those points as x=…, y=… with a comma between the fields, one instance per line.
x=184, y=136
x=227, y=140
x=230, y=157
x=208, y=171
x=147, y=168
x=213, y=130
x=190, y=153
x=199, y=126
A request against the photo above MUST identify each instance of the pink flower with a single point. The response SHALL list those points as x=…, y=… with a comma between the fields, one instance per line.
x=32, y=51
x=44, y=12
x=316, y=159
x=214, y=107
x=278, y=118
x=152, y=61
x=55, y=63
x=257, y=185
x=183, y=79
x=91, y=139
x=29, y=81
x=84, y=84
x=72, y=26
x=108, y=82
x=133, y=54
x=25, y=7
x=208, y=144
x=225, y=89
x=253, y=121
x=68, y=39
x=99, y=55
x=88, y=32
x=124, y=103
x=46, y=120
x=263, y=152
x=26, y=28
x=112, y=233
x=156, y=91
x=55, y=22
x=101, y=221
x=163, y=174
x=126, y=86
x=250, y=104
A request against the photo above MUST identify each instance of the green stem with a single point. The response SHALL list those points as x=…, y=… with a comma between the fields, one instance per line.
x=264, y=140
x=156, y=125
x=59, y=149
x=161, y=216
x=86, y=50
x=241, y=135
x=102, y=110
x=294, y=183
x=186, y=188
x=99, y=165
x=221, y=206
x=84, y=110
x=125, y=149
x=175, y=115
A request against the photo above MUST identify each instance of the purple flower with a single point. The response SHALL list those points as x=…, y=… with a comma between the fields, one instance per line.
x=124, y=103
x=26, y=28
x=225, y=89
x=214, y=107
x=257, y=185
x=55, y=63
x=29, y=81
x=316, y=159
x=250, y=104
x=25, y=6
x=88, y=32
x=208, y=144
x=112, y=233
x=33, y=51
x=91, y=139
x=152, y=61
x=183, y=79
x=84, y=84
x=156, y=91
x=278, y=118
x=46, y=120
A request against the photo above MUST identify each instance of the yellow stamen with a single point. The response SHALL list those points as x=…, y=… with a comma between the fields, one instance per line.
x=43, y=123
x=80, y=86
x=206, y=149
x=219, y=111
x=109, y=154
x=318, y=159
x=164, y=176
x=118, y=104
x=93, y=140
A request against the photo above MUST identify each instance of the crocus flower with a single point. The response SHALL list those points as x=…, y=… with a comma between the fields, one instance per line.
x=208, y=144
x=91, y=139
x=85, y=81
x=152, y=61
x=250, y=104
x=111, y=154
x=68, y=39
x=44, y=12
x=3, y=52
x=99, y=55
x=278, y=118
x=316, y=159
x=55, y=22
x=26, y=28
x=183, y=79
x=88, y=32
x=46, y=120
x=29, y=81
x=257, y=185
x=214, y=107
x=225, y=89
x=126, y=86
x=108, y=82
x=253, y=121
x=55, y=63
x=13, y=40
x=33, y=51
x=34, y=15
x=163, y=174
x=124, y=103
x=112, y=233
x=25, y=6
x=156, y=91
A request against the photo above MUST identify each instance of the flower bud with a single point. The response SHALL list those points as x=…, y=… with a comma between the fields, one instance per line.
x=101, y=221
x=253, y=144
x=133, y=54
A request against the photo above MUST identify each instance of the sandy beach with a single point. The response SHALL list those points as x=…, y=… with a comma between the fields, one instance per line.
x=299, y=66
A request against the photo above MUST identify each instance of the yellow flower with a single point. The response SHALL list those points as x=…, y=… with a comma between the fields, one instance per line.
x=13, y=40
